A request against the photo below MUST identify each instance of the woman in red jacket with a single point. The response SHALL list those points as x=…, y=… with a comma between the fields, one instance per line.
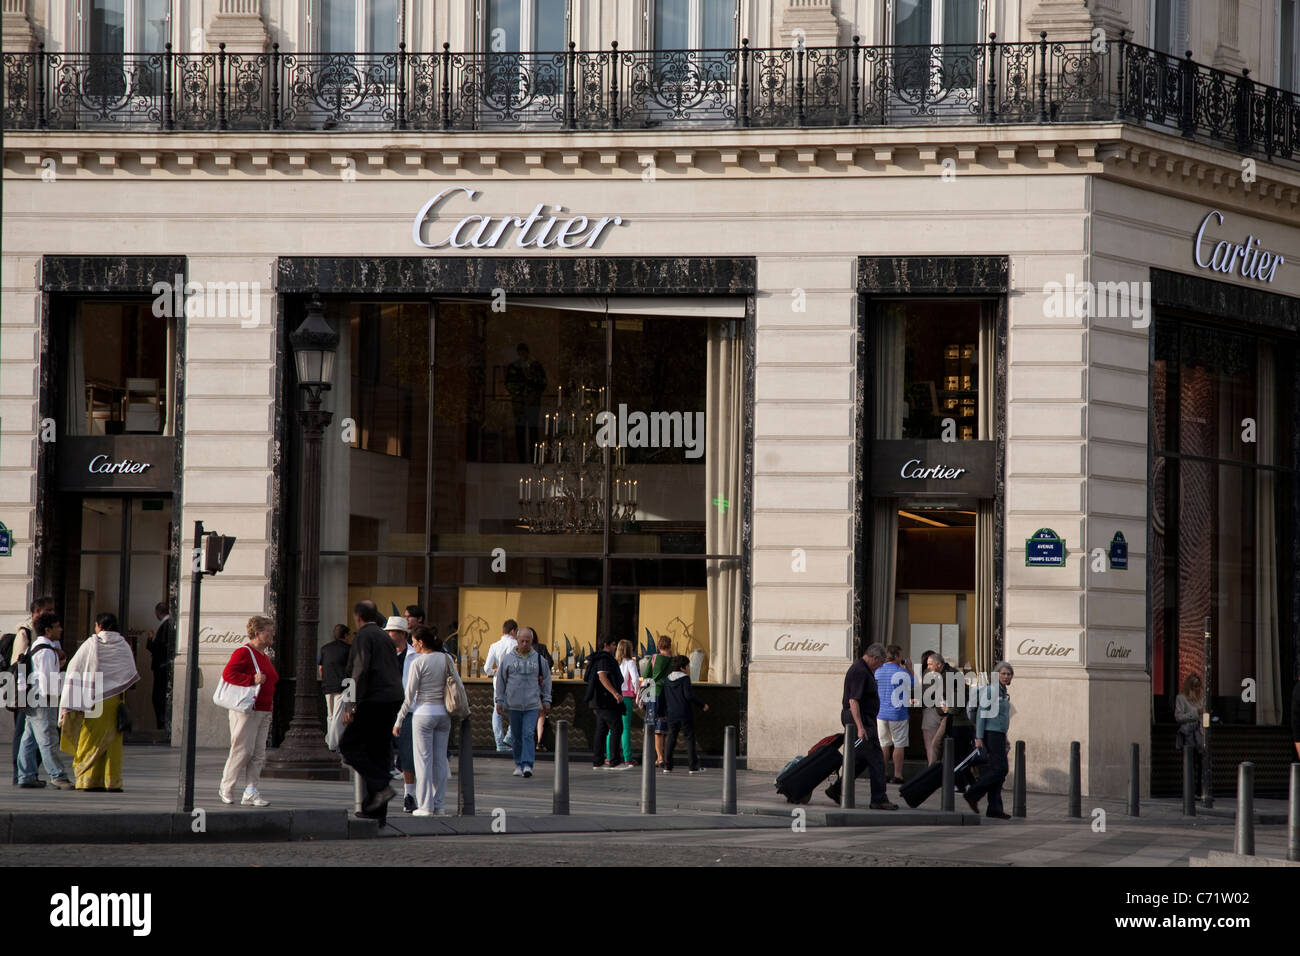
x=250, y=665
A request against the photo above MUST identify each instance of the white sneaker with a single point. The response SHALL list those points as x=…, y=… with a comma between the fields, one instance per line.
x=224, y=798
x=519, y=772
x=421, y=813
x=528, y=771
x=253, y=798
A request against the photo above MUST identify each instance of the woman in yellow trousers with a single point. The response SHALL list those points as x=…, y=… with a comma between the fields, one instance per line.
x=96, y=679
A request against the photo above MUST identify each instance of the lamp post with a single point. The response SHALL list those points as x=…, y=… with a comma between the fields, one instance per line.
x=303, y=753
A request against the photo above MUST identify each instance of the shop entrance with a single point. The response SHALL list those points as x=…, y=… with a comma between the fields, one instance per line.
x=121, y=564
x=935, y=597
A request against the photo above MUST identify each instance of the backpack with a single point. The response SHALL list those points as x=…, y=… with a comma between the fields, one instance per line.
x=7, y=649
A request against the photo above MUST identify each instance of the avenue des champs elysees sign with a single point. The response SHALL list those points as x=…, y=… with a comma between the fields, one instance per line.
x=545, y=227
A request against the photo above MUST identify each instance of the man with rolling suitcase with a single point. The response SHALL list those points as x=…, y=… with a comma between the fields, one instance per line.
x=860, y=706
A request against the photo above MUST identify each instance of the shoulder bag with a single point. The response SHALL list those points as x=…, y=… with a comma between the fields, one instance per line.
x=454, y=697
x=234, y=697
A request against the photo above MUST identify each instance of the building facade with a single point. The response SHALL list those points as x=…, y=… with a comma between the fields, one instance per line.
x=777, y=327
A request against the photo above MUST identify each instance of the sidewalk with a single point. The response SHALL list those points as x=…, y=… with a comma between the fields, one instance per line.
x=600, y=801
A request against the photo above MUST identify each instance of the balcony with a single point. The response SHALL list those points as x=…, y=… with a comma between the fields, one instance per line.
x=795, y=87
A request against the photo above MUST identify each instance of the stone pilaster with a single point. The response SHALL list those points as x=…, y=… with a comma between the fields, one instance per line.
x=1076, y=19
x=238, y=24
x=1227, y=56
x=18, y=35
x=816, y=20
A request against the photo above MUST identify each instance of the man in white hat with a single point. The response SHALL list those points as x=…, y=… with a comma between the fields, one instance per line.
x=400, y=631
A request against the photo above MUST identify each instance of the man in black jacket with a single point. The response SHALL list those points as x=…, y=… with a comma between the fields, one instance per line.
x=860, y=705
x=377, y=684
x=605, y=697
x=160, y=654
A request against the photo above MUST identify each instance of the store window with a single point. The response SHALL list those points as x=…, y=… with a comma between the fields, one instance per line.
x=120, y=361
x=573, y=462
x=1221, y=516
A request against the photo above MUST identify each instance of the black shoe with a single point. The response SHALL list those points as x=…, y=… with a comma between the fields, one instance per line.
x=972, y=802
x=408, y=804
x=883, y=805
x=998, y=816
x=32, y=784
x=833, y=791
x=378, y=803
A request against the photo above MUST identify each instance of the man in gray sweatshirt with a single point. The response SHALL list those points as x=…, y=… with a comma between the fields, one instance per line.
x=522, y=687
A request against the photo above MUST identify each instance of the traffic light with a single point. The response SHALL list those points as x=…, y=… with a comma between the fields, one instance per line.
x=216, y=548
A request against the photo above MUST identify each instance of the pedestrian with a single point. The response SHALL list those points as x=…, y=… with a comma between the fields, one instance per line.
x=331, y=668
x=24, y=634
x=94, y=691
x=991, y=728
x=606, y=699
x=503, y=646
x=1189, y=705
x=860, y=705
x=38, y=686
x=250, y=666
x=548, y=662
x=935, y=707
x=414, y=615
x=161, y=648
x=521, y=688
x=400, y=632
x=659, y=668
x=425, y=705
x=367, y=735
x=679, y=698
x=894, y=681
x=630, y=679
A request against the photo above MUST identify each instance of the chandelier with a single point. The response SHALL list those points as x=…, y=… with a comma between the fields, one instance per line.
x=564, y=493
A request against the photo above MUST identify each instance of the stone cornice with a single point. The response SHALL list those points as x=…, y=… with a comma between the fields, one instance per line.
x=1144, y=158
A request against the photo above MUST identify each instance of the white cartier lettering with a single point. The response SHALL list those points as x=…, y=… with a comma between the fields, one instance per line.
x=100, y=465
x=921, y=472
x=1028, y=648
x=1246, y=259
x=543, y=228
x=786, y=643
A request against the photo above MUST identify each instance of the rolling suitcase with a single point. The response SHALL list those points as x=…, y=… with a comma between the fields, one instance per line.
x=917, y=790
x=802, y=776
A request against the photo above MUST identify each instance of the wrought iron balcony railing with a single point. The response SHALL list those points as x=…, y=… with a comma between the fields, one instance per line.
x=983, y=83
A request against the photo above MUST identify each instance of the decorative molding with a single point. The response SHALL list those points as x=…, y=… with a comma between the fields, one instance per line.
x=812, y=20
x=239, y=25
x=16, y=27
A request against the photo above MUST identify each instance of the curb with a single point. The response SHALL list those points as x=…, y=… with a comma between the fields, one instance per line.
x=136, y=827
x=1221, y=858
x=877, y=818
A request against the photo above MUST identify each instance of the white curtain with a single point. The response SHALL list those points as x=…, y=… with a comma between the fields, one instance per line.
x=74, y=419
x=984, y=519
x=1268, y=708
x=723, y=464
x=336, y=489
x=888, y=342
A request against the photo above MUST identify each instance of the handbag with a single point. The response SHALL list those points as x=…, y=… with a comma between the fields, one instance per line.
x=454, y=697
x=123, y=717
x=334, y=732
x=233, y=696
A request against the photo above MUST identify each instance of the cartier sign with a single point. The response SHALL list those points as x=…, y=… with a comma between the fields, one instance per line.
x=543, y=228
x=908, y=468
x=127, y=463
x=1247, y=258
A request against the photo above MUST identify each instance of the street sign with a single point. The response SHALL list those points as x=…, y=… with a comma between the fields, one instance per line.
x=1118, y=552
x=1046, y=549
x=6, y=541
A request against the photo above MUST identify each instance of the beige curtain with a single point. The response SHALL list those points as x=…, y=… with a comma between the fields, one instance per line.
x=888, y=342
x=723, y=465
x=984, y=519
x=74, y=420
x=1268, y=708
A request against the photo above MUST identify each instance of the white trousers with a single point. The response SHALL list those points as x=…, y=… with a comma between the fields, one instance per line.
x=247, y=748
x=429, y=737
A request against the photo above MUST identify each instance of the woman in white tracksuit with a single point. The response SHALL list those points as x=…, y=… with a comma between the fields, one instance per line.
x=426, y=690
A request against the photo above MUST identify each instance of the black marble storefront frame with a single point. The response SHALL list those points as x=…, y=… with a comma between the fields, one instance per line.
x=985, y=278
x=1242, y=309
x=431, y=277
x=62, y=279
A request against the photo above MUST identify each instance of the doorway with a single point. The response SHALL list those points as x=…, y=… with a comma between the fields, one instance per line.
x=935, y=597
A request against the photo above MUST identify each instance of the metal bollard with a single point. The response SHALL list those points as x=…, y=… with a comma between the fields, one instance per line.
x=1018, y=802
x=1189, y=782
x=358, y=792
x=648, y=772
x=949, y=776
x=560, y=800
x=1134, y=780
x=848, y=772
x=729, y=771
x=1244, y=843
x=1075, y=810
x=1293, y=817
x=465, y=795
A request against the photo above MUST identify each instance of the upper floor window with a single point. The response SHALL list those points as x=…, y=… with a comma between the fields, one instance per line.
x=120, y=358
x=693, y=24
x=514, y=26
x=352, y=26
x=126, y=26
x=1288, y=44
x=1170, y=29
x=926, y=22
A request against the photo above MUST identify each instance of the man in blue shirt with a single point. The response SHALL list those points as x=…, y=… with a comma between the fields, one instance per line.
x=991, y=728
x=895, y=681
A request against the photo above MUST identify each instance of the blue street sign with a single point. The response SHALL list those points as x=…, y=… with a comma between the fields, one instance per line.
x=1118, y=552
x=1046, y=549
x=6, y=541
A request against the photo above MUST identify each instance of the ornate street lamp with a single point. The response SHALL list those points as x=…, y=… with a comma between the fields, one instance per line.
x=303, y=753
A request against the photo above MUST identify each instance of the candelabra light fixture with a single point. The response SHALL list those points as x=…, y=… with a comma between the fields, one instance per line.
x=564, y=492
